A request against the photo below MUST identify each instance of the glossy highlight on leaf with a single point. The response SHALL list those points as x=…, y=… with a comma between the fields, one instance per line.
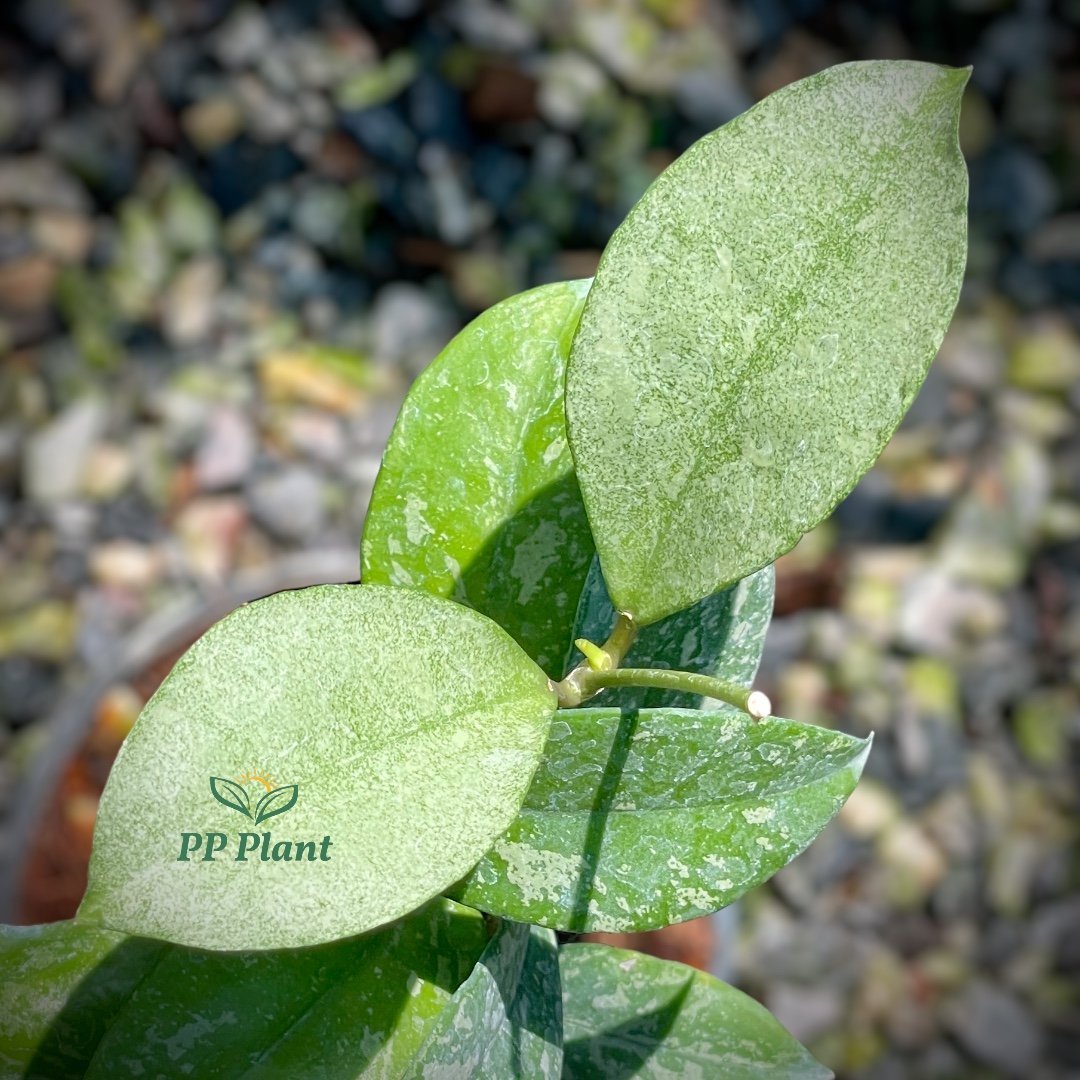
x=640, y=819
x=760, y=323
x=630, y=1015
x=722, y=635
x=411, y=727
x=231, y=794
x=506, y=1018
x=477, y=498
x=276, y=802
x=85, y=1002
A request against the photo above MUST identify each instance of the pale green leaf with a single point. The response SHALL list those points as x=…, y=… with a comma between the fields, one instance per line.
x=638, y=820
x=477, y=498
x=410, y=726
x=629, y=1015
x=722, y=636
x=505, y=1020
x=760, y=323
x=82, y=1001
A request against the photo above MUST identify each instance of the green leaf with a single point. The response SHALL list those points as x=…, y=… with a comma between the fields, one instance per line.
x=230, y=794
x=638, y=820
x=411, y=726
x=276, y=802
x=82, y=1001
x=630, y=1015
x=760, y=323
x=506, y=1018
x=477, y=498
x=722, y=636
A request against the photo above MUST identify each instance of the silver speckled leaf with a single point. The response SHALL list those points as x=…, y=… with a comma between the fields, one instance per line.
x=760, y=323
x=81, y=1001
x=477, y=497
x=505, y=1020
x=410, y=725
x=630, y=1015
x=722, y=635
x=638, y=820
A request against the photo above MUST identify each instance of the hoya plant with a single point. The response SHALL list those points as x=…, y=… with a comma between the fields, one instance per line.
x=347, y=832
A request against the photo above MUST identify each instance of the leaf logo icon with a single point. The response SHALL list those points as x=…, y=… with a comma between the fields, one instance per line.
x=232, y=795
x=276, y=802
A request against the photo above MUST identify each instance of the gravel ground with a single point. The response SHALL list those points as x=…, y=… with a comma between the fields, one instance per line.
x=230, y=235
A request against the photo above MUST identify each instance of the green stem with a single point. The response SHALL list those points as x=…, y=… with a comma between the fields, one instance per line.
x=750, y=701
x=601, y=669
x=571, y=690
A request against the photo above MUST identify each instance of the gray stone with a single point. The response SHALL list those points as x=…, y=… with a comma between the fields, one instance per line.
x=289, y=504
x=228, y=451
x=56, y=454
x=806, y=1011
x=995, y=1029
x=408, y=326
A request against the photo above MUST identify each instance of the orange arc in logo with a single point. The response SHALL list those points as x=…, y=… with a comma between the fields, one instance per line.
x=256, y=777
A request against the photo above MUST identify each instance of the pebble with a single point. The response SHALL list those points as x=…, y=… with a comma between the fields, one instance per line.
x=210, y=530
x=290, y=504
x=56, y=455
x=408, y=326
x=189, y=302
x=126, y=564
x=994, y=1028
x=28, y=690
x=226, y=454
x=62, y=234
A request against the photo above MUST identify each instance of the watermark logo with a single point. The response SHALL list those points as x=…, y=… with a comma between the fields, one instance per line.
x=232, y=794
x=254, y=795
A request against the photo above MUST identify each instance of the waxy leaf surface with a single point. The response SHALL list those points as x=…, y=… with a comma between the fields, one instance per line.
x=477, y=498
x=630, y=1015
x=722, y=635
x=638, y=820
x=760, y=323
x=85, y=1002
x=506, y=1018
x=410, y=725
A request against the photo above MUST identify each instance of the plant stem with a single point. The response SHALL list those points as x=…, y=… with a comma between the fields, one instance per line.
x=750, y=701
x=571, y=690
x=601, y=669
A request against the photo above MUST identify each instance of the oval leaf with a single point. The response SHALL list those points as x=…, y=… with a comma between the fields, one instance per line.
x=760, y=323
x=411, y=725
x=230, y=794
x=631, y=1015
x=638, y=820
x=477, y=498
x=506, y=1018
x=276, y=802
x=82, y=1001
x=722, y=635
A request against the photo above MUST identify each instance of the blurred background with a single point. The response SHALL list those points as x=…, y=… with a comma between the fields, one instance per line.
x=230, y=236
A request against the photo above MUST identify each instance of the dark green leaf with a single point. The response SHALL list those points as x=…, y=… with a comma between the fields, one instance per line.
x=630, y=1015
x=477, y=497
x=81, y=1001
x=411, y=725
x=230, y=794
x=505, y=1020
x=276, y=802
x=722, y=635
x=638, y=820
x=760, y=323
